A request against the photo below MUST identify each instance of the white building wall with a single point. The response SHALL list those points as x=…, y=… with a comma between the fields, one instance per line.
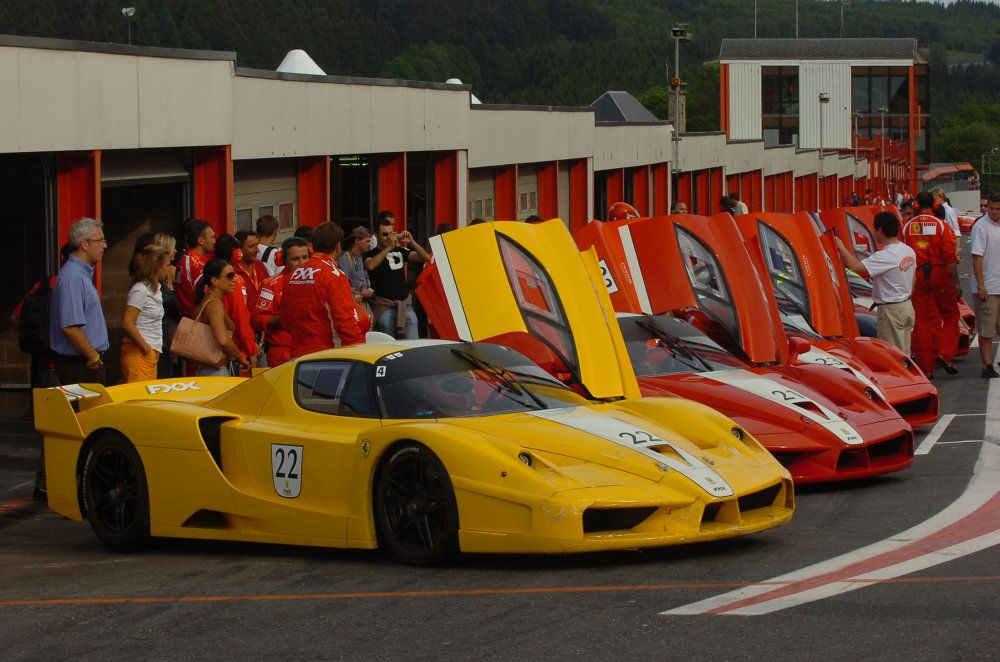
x=745, y=105
x=833, y=78
x=625, y=146
x=64, y=100
x=299, y=118
x=505, y=136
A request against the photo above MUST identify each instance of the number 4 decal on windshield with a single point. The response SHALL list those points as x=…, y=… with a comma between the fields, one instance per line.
x=286, y=466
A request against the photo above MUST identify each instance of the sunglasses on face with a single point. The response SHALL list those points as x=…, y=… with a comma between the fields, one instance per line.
x=229, y=275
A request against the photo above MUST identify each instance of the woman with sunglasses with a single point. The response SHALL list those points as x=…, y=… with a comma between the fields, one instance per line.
x=217, y=280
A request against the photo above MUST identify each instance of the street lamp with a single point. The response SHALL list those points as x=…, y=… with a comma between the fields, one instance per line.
x=678, y=33
x=882, y=110
x=857, y=116
x=129, y=12
x=824, y=98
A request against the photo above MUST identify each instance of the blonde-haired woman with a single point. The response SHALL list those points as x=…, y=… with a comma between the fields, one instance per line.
x=142, y=320
x=169, y=364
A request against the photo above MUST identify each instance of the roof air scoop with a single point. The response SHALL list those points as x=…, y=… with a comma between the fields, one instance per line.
x=298, y=62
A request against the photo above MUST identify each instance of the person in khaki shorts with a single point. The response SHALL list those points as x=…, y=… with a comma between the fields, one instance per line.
x=891, y=269
x=986, y=281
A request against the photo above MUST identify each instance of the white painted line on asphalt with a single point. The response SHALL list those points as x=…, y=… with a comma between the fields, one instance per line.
x=18, y=488
x=963, y=441
x=928, y=442
x=970, y=524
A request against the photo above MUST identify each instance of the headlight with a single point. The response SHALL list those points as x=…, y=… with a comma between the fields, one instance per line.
x=524, y=458
x=906, y=362
x=738, y=433
x=870, y=394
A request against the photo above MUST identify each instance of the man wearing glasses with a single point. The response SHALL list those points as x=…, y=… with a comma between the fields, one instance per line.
x=392, y=308
x=77, y=330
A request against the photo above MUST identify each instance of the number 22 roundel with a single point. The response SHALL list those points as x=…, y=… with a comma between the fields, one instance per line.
x=286, y=467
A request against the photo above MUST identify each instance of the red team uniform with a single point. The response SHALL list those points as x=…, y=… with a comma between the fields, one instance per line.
x=189, y=270
x=935, y=299
x=279, y=339
x=317, y=307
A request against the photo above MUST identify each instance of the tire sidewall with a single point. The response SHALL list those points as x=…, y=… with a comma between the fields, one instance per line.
x=137, y=535
x=448, y=548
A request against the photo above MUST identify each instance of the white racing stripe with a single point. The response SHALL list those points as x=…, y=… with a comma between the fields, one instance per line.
x=966, y=526
x=450, y=288
x=635, y=269
x=789, y=398
x=819, y=357
x=627, y=434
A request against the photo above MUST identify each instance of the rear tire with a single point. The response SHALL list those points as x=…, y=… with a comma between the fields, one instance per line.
x=416, y=514
x=115, y=494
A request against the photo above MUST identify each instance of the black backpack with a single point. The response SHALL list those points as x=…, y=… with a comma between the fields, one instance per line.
x=33, y=336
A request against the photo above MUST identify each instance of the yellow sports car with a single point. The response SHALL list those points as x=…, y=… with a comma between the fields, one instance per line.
x=427, y=448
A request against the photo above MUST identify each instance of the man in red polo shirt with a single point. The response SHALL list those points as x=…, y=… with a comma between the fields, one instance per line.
x=200, y=238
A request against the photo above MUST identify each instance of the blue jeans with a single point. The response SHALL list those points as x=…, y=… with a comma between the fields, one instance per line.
x=386, y=323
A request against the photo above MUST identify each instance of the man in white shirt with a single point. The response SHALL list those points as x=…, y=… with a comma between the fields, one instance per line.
x=891, y=269
x=986, y=281
x=267, y=235
x=950, y=215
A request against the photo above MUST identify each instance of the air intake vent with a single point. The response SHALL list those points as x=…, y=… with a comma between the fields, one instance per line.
x=596, y=520
x=760, y=499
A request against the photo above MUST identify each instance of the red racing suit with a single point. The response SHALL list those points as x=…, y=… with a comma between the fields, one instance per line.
x=935, y=299
x=189, y=270
x=317, y=307
x=279, y=339
x=254, y=278
x=236, y=307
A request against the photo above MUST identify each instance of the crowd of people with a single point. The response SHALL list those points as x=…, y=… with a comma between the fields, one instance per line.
x=264, y=304
x=915, y=279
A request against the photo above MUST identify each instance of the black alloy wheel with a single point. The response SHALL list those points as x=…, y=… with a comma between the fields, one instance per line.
x=415, y=509
x=115, y=495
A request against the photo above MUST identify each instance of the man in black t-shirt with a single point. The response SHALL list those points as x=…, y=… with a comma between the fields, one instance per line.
x=392, y=308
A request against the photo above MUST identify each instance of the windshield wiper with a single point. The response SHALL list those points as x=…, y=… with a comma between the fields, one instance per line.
x=505, y=381
x=675, y=345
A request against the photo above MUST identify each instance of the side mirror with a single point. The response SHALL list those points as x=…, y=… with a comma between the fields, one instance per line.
x=798, y=346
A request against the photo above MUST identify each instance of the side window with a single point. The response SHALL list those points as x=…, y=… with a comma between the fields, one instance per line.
x=538, y=302
x=708, y=281
x=359, y=395
x=319, y=385
x=862, y=239
x=785, y=270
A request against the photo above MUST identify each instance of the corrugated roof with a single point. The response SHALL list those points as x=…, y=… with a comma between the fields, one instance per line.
x=820, y=49
x=620, y=107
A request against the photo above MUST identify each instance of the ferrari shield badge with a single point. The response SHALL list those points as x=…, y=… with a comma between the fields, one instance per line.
x=366, y=447
x=286, y=467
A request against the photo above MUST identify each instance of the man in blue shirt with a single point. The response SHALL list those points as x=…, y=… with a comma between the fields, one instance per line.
x=78, y=331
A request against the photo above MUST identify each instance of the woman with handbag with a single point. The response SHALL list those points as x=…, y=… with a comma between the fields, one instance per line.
x=217, y=280
x=142, y=320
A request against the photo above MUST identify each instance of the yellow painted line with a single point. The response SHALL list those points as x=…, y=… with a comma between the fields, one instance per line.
x=450, y=593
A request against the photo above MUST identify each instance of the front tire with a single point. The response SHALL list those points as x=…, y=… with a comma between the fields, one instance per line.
x=115, y=494
x=415, y=509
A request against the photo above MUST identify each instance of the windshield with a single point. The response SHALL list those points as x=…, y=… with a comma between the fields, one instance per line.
x=659, y=345
x=465, y=379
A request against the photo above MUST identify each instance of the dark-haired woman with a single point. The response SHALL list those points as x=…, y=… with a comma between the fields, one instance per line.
x=236, y=303
x=217, y=280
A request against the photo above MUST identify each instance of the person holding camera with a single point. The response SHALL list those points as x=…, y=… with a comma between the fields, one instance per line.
x=392, y=308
